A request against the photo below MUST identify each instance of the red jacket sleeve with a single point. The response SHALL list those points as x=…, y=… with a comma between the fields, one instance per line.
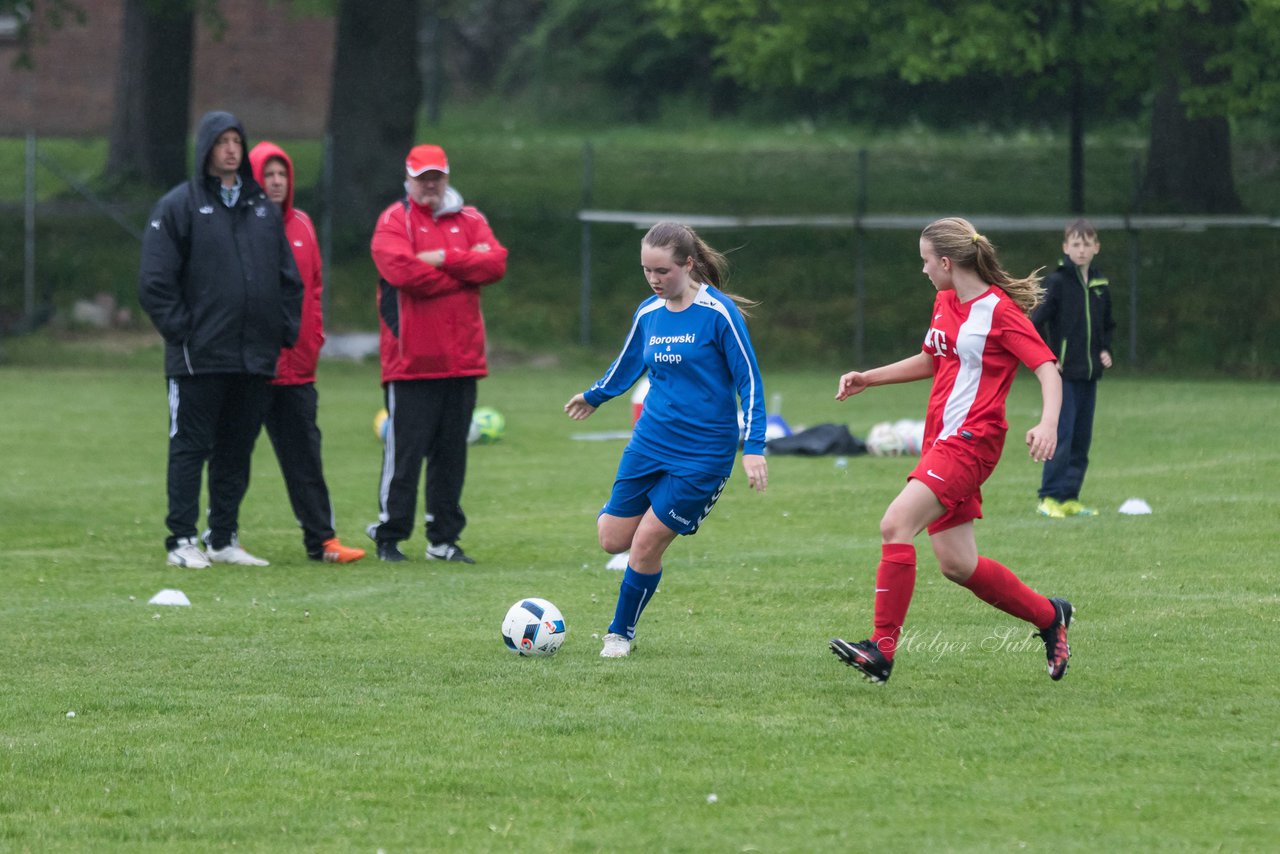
x=396, y=257
x=477, y=267
x=297, y=364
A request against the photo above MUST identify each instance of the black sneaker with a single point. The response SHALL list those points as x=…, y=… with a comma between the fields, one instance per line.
x=448, y=551
x=865, y=658
x=389, y=550
x=1056, y=648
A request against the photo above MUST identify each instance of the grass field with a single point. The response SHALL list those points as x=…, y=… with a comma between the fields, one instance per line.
x=306, y=706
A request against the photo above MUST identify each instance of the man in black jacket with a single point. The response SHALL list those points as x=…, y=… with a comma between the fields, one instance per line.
x=219, y=281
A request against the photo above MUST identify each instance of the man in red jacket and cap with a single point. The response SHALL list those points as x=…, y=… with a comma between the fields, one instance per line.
x=291, y=414
x=434, y=254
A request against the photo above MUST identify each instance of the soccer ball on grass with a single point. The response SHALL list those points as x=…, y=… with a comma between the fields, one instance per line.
x=533, y=627
x=487, y=426
x=884, y=441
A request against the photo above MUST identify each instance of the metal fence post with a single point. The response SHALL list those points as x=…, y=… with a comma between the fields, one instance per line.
x=1135, y=264
x=29, y=235
x=584, y=321
x=859, y=264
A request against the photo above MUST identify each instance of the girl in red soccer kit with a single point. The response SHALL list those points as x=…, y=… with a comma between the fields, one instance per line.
x=978, y=334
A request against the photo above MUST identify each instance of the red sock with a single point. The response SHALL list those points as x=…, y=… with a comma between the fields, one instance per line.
x=895, y=583
x=996, y=585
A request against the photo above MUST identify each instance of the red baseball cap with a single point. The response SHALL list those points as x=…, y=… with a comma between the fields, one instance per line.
x=424, y=158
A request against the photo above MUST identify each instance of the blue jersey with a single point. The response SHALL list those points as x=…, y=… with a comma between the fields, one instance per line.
x=700, y=363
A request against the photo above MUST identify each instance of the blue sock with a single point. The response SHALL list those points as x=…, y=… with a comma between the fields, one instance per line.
x=634, y=593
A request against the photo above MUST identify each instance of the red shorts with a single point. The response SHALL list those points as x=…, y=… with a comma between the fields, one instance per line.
x=955, y=475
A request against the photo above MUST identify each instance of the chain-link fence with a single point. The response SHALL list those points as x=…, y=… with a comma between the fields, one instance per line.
x=825, y=240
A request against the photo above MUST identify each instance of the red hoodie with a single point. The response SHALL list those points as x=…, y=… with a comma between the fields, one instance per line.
x=297, y=364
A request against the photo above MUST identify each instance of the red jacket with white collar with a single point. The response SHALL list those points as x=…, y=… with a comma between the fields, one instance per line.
x=297, y=365
x=430, y=321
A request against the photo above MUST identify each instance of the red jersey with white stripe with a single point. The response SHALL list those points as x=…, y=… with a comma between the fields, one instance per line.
x=976, y=348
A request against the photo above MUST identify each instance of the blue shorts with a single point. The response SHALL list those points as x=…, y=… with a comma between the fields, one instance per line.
x=681, y=500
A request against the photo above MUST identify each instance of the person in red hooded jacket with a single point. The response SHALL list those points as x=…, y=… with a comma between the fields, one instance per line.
x=291, y=413
x=434, y=254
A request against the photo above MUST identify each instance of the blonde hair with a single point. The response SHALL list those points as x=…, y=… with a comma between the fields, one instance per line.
x=709, y=265
x=957, y=239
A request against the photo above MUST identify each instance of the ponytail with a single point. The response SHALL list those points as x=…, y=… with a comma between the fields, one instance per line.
x=709, y=265
x=957, y=239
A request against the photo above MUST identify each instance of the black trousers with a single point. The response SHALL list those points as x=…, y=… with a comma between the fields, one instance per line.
x=1063, y=476
x=429, y=419
x=213, y=418
x=291, y=425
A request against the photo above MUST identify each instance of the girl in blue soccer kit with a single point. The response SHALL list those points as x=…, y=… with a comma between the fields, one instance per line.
x=691, y=338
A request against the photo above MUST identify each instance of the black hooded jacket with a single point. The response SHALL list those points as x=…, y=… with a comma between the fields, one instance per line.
x=219, y=283
x=1075, y=320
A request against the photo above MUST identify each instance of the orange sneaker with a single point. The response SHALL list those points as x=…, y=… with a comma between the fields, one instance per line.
x=333, y=551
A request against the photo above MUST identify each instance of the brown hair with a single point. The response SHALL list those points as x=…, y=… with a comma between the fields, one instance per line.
x=1081, y=228
x=957, y=239
x=709, y=265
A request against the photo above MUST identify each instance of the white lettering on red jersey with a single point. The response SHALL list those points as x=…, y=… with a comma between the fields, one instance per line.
x=976, y=348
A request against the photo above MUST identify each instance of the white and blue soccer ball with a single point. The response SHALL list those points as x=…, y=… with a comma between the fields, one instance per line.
x=533, y=627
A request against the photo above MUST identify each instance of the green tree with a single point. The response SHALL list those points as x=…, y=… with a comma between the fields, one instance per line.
x=149, y=126
x=374, y=98
x=1204, y=61
x=153, y=79
x=1208, y=68
x=611, y=54
x=374, y=101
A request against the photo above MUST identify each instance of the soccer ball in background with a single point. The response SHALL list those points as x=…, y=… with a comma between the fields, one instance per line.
x=487, y=426
x=533, y=627
x=895, y=438
x=380, y=424
x=911, y=432
x=884, y=441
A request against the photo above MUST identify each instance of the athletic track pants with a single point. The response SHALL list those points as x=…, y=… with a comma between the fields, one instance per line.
x=213, y=418
x=291, y=425
x=429, y=419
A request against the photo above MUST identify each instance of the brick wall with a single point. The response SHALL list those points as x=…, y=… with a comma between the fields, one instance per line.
x=271, y=68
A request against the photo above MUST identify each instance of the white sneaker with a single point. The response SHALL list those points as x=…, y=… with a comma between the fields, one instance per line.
x=233, y=553
x=616, y=646
x=188, y=555
x=448, y=551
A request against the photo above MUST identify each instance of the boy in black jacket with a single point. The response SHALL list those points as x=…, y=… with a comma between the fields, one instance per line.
x=1075, y=321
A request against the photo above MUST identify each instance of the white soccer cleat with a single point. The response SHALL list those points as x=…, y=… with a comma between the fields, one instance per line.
x=232, y=553
x=188, y=555
x=615, y=646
